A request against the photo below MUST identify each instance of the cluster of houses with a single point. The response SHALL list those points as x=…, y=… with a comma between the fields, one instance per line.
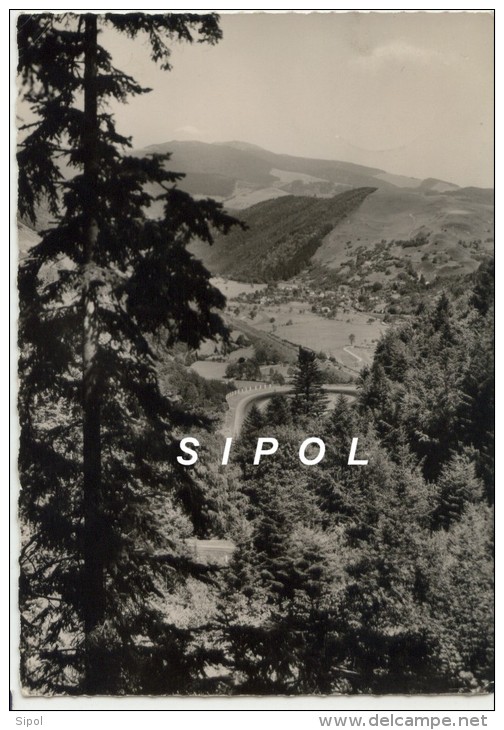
x=325, y=302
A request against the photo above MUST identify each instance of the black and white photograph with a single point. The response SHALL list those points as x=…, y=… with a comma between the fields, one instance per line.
x=255, y=353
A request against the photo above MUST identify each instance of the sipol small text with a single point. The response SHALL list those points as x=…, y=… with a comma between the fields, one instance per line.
x=28, y=721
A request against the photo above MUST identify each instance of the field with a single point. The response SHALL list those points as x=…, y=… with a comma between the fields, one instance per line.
x=350, y=338
x=331, y=336
x=210, y=370
x=246, y=197
x=232, y=289
x=213, y=370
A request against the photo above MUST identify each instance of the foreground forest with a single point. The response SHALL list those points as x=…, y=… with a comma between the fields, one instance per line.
x=377, y=578
x=343, y=578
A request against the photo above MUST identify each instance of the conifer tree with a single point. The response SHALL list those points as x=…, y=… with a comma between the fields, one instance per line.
x=278, y=411
x=483, y=295
x=460, y=593
x=101, y=505
x=309, y=398
x=458, y=487
x=340, y=428
x=253, y=423
x=251, y=430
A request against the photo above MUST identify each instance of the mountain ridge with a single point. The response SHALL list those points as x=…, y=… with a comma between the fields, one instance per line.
x=235, y=171
x=454, y=225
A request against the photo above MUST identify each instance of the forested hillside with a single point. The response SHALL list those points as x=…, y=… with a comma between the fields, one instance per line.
x=376, y=578
x=282, y=236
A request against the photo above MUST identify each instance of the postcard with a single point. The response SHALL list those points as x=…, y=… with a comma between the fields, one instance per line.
x=256, y=357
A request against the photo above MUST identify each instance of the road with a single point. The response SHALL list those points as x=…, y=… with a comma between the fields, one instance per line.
x=239, y=402
x=348, y=350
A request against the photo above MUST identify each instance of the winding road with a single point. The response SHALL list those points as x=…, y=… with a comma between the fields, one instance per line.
x=239, y=402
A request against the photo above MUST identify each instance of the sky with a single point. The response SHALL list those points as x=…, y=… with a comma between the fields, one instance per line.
x=408, y=92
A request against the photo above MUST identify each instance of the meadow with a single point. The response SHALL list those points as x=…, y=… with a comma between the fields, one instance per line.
x=321, y=334
x=231, y=288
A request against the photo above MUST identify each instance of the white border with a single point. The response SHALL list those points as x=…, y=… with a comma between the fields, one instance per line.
x=189, y=712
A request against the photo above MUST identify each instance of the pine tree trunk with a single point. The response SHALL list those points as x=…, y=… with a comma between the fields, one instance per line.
x=93, y=579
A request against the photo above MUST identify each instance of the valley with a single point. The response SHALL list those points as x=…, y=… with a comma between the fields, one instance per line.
x=332, y=274
x=332, y=254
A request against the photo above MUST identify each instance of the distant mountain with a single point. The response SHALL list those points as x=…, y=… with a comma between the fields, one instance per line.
x=454, y=225
x=301, y=210
x=439, y=186
x=241, y=174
